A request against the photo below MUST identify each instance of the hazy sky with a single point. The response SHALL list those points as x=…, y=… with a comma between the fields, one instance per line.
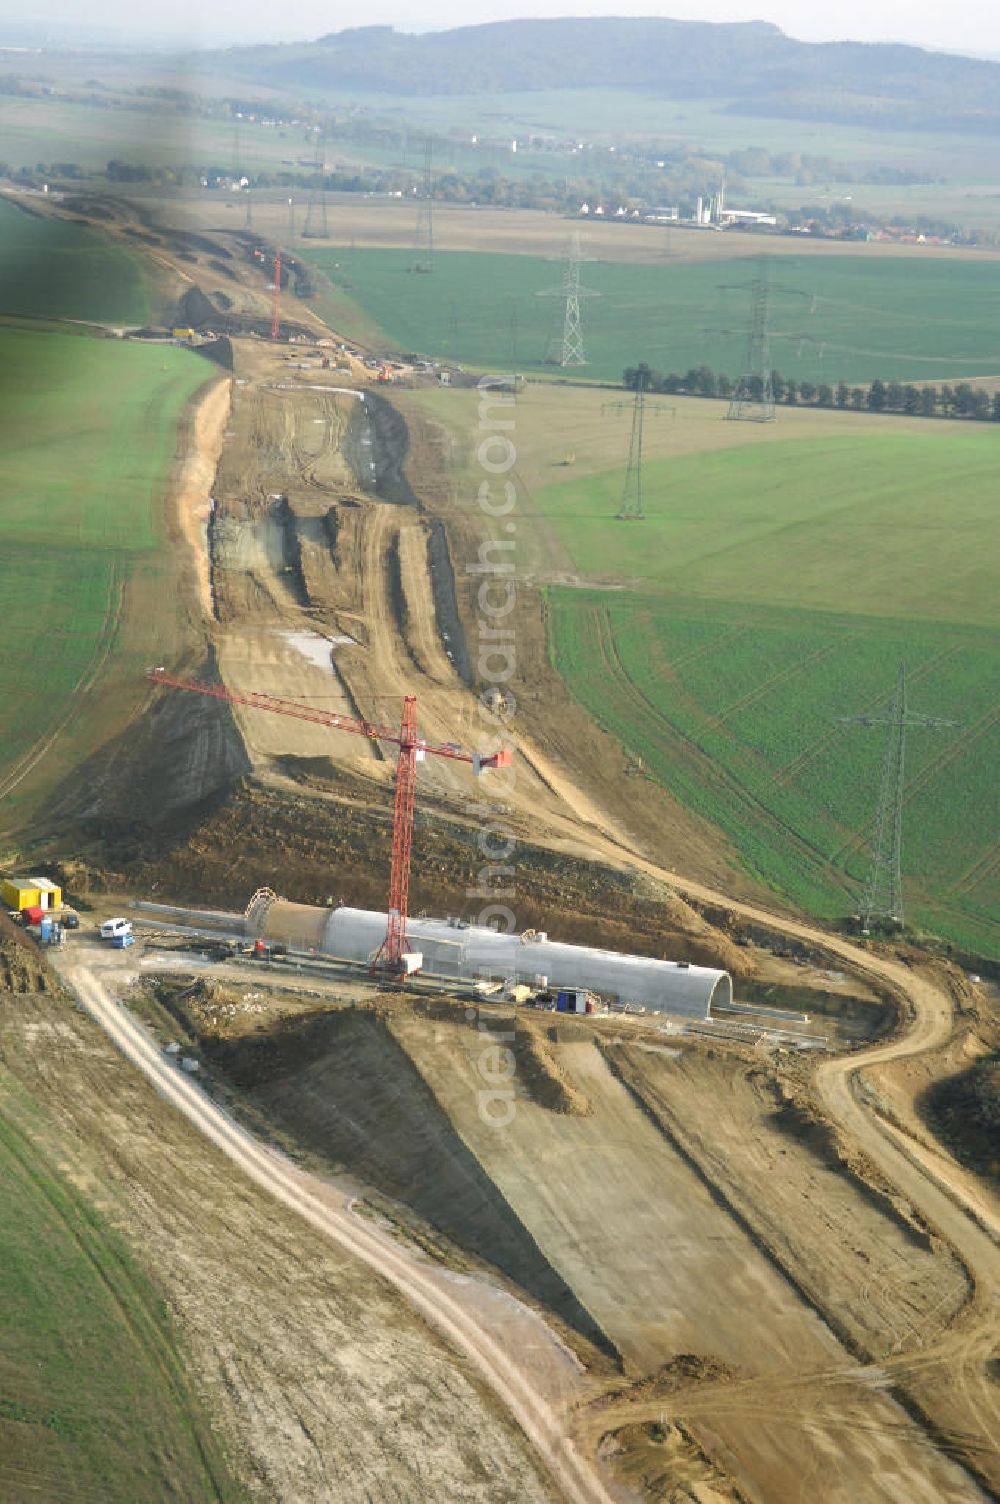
x=964, y=25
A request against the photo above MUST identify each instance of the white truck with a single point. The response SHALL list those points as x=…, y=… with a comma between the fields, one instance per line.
x=112, y=928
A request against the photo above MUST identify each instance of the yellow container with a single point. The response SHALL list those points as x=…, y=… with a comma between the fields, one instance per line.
x=30, y=893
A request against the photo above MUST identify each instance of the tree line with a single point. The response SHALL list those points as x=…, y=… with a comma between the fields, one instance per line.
x=926, y=401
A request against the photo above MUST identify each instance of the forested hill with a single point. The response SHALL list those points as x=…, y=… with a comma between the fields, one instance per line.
x=752, y=66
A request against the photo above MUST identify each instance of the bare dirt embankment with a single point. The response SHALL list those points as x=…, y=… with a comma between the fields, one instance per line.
x=694, y=1201
x=192, y=484
x=320, y=1377
x=343, y=1090
x=669, y=1245
x=668, y=1265
x=499, y=1340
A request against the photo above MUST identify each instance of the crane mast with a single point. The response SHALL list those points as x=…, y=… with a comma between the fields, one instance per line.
x=394, y=945
x=412, y=749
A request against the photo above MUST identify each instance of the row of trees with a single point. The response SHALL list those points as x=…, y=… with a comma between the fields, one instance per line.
x=959, y=401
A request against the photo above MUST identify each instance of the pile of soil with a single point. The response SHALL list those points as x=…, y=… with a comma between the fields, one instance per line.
x=964, y=1111
x=682, y=1371
x=22, y=968
x=310, y=849
x=540, y=1072
x=338, y=1085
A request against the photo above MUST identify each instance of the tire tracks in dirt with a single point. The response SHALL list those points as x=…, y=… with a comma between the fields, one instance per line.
x=944, y=1194
x=546, y=1430
x=949, y=1200
x=112, y=1273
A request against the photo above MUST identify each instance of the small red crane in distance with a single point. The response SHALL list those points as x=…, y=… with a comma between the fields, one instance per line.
x=276, y=302
x=412, y=748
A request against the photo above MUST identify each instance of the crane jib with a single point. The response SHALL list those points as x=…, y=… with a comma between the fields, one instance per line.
x=394, y=954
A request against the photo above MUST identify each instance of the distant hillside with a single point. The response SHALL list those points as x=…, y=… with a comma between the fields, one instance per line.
x=753, y=66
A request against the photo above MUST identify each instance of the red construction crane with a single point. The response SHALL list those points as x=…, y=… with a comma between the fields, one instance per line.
x=276, y=303
x=412, y=749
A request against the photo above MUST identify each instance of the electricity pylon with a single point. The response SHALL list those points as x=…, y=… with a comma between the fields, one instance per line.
x=631, y=506
x=753, y=397
x=423, y=237
x=632, y=491
x=631, y=503
x=316, y=226
x=882, y=896
x=238, y=173
x=570, y=352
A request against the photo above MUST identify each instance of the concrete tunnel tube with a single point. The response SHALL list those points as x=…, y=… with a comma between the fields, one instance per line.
x=459, y=951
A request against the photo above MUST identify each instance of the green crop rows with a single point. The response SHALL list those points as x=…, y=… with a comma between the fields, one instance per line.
x=878, y=522
x=760, y=613
x=52, y=268
x=90, y=432
x=834, y=317
x=93, y=1401
x=734, y=710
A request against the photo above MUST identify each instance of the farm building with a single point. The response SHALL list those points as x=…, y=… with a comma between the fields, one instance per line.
x=30, y=893
x=456, y=950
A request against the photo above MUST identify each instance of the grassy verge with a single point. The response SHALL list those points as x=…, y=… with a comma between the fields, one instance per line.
x=90, y=433
x=55, y=268
x=94, y=1403
x=734, y=708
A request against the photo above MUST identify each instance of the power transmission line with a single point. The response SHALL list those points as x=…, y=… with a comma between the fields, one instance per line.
x=316, y=226
x=631, y=505
x=569, y=351
x=423, y=237
x=882, y=896
x=753, y=398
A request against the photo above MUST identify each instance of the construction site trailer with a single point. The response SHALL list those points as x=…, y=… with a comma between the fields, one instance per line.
x=30, y=893
x=571, y=1000
x=465, y=952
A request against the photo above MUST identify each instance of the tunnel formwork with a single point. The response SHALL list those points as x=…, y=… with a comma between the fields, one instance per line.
x=458, y=951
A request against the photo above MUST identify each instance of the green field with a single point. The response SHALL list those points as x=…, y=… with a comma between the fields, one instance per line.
x=90, y=430
x=774, y=589
x=834, y=318
x=94, y=1404
x=55, y=269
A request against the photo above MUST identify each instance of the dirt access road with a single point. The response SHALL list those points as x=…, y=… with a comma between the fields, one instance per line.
x=952, y=1377
x=360, y=577
x=541, y=1421
x=322, y=574
x=377, y=587
x=960, y=1209
x=664, y=1269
